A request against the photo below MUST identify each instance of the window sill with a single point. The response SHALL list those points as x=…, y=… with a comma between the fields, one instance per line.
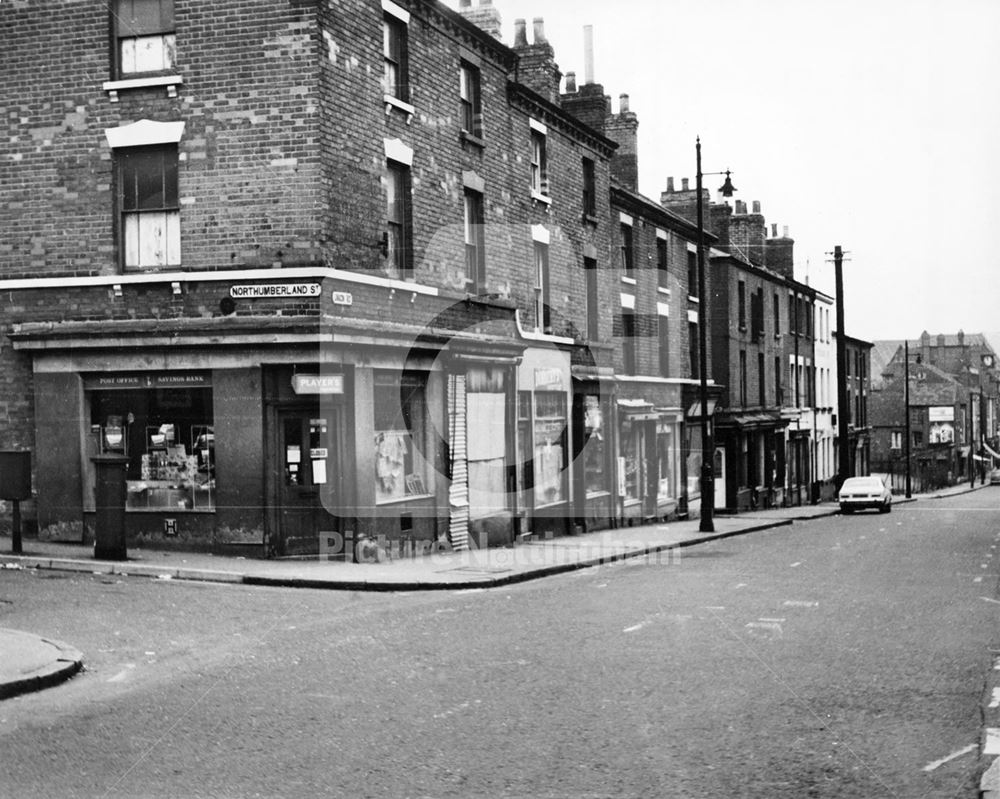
x=590, y=219
x=538, y=197
x=663, y=290
x=629, y=280
x=171, y=82
x=692, y=298
x=473, y=139
x=394, y=102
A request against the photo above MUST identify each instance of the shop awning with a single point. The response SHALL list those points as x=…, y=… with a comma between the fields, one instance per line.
x=638, y=410
x=750, y=420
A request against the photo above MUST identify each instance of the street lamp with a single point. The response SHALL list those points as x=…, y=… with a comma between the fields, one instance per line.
x=705, y=524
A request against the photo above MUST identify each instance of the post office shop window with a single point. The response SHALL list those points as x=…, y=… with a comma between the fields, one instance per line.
x=145, y=43
x=168, y=435
x=149, y=206
x=401, y=436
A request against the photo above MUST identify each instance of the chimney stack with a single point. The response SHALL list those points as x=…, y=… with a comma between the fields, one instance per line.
x=537, y=68
x=779, y=255
x=622, y=128
x=588, y=102
x=485, y=16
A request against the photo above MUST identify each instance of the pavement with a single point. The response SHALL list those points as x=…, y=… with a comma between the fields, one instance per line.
x=31, y=662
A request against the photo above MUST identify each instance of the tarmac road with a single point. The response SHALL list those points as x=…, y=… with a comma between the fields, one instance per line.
x=839, y=658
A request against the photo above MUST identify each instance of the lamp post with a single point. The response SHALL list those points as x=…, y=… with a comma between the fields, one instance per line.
x=705, y=523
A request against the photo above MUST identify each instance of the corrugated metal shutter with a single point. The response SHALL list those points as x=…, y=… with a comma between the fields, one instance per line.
x=458, y=493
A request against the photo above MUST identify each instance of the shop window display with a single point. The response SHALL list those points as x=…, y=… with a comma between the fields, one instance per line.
x=595, y=449
x=169, y=438
x=400, y=437
x=550, y=447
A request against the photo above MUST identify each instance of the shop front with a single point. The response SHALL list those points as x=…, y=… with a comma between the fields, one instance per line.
x=543, y=442
x=650, y=451
x=593, y=447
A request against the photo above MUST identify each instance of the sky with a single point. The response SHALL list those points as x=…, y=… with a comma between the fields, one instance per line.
x=869, y=124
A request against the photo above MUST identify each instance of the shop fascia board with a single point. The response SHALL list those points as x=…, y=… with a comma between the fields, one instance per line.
x=250, y=330
x=220, y=275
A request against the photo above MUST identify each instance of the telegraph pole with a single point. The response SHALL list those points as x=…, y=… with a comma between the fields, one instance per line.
x=843, y=408
x=906, y=422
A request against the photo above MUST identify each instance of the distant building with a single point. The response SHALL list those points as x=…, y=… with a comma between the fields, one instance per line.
x=953, y=408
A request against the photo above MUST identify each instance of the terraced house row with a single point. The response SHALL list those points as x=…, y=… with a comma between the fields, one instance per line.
x=322, y=270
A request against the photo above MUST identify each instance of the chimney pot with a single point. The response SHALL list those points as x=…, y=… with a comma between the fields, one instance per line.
x=465, y=4
x=570, y=83
x=538, y=25
x=774, y=231
x=520, y=33
x=670, y=184
x=684, y=184
x=623, y=104
x=785, y=234
x=756, y=206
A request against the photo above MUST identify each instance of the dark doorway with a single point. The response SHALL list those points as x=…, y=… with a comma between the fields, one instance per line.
x=308, y=481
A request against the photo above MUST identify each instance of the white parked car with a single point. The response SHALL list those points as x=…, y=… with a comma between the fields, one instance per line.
x=859, y=493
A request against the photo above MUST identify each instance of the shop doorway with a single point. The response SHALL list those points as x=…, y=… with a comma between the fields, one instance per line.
x=308, y=481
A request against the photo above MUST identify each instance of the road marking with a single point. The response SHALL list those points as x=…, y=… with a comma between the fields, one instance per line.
x=995, y=702
x=123, y=674
x=776, y=621
x=952, y=756
x=797, y=563
x=635, y=627
x=800, y=603
x=769, y=626
x=741, y=585
x=715, y=607
x=977, y=579
x=990, y=599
